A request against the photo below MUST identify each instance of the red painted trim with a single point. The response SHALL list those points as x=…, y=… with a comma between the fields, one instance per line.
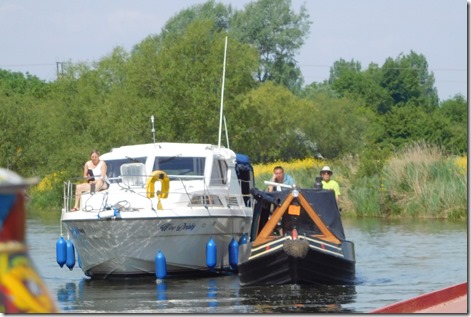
x=426, y=300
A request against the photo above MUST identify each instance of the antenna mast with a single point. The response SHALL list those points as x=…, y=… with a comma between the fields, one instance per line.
x=222, y=94
x=153, y=129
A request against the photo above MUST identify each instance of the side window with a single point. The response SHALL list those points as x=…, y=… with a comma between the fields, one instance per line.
x=219, y=173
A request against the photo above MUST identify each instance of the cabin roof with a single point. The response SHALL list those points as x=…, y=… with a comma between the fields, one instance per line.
x=167, y=149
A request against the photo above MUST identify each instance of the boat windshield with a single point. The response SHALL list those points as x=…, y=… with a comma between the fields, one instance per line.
x=114, y=167
x=177, y=165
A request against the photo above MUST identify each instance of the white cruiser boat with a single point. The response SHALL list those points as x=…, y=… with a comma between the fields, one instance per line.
x=164, y=198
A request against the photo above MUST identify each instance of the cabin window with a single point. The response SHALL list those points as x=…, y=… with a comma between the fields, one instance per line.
x=206, y=200
x=113, y=170
x=177, y=165
x=219, y=173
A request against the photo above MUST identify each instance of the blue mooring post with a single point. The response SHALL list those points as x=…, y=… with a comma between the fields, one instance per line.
x=160, y=265
x=233, y=254
x=211, y=254
x=61, y=251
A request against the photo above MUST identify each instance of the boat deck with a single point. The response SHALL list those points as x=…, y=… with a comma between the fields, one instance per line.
x=450, y=300
x=458, y=305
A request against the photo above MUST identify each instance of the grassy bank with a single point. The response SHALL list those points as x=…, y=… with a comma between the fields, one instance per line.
x=417, y=182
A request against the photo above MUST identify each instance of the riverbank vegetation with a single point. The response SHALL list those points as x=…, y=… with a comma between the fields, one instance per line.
x=418, y=181
x=365, y=122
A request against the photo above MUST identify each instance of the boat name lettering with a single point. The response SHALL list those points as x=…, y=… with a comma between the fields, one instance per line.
x=180, y=227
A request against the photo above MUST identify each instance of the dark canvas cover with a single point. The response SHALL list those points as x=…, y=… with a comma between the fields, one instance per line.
x=322, y=201
x=324, y=204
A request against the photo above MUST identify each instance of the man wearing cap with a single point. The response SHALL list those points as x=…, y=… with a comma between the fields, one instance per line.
x=328, y=183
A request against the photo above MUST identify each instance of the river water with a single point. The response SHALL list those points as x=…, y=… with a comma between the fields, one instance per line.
x=396, y=260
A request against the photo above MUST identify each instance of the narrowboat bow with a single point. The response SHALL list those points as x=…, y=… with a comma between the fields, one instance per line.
x=301, y=242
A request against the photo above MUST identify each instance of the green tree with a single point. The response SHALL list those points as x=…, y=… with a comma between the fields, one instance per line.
x=278, y=33
x=217, y=13
x=337, y=126
x=312, y=90
x=184, y=80
x=16, y=83
x=408, y=81
x=265, y=123
x=410, y=124
x=348, y=80
x=456, y=110
x=23, y=121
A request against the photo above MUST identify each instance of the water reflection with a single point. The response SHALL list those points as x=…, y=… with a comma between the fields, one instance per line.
x=69, y=296
x=221, y=294
x=161, y=290
x=300, y=298
x=212, y=293
x=170, y=294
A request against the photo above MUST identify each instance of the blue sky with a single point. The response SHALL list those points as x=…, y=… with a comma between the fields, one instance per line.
x=36, y=34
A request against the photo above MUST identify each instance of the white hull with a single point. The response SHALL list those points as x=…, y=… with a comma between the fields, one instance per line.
x=129, y=247
x=198, y=207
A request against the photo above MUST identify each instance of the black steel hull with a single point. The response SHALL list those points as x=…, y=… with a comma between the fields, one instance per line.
x=307, y=261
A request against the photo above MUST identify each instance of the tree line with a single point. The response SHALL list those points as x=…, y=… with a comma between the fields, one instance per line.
x=271, y=114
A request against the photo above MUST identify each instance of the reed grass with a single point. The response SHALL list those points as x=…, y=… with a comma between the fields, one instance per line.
x=420, y=181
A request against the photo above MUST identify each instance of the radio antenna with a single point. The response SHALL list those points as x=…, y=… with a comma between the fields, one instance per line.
x=153, y=128
x=222, y=94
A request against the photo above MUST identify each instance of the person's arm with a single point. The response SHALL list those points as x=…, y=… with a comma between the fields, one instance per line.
x=270, y=187
x=85, y=170
x=337, y=192
x=104, y=169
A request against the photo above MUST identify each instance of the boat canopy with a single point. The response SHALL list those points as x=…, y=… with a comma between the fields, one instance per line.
x=325, y=205
x=321, y=201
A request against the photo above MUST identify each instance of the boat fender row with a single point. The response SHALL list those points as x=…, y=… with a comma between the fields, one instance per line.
x=211, y=256
x=233, y=249
x=65, y=253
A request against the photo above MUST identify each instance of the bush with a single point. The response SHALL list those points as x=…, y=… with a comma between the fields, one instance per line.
x=48, y=193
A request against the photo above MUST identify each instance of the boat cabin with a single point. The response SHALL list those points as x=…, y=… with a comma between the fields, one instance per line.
x=204, y=165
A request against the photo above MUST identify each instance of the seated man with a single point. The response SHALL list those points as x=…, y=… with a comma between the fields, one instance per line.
x=279, y=176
